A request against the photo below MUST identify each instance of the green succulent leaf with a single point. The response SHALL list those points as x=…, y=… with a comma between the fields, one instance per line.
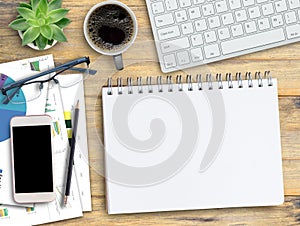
x=19, y=25
x=56, y=15
x=25, y=5
x=30, y=35
x=47, y=31
x=41, y=42
x=50, y=42
x=34, y=4
x=54, y=4
x=26, y=13
x=43, y=6
x=58, y=34
x=19, y=17
x=37, y=13
x=33, y=23
x=63, y=22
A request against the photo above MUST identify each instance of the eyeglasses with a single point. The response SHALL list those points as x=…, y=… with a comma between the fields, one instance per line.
x=30, y=88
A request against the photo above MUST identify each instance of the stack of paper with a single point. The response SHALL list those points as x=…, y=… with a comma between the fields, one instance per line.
x=57, y=103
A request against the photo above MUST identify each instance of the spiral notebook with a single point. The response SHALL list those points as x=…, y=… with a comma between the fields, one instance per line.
x=173, y=145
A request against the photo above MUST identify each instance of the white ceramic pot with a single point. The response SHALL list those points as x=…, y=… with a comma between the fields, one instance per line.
x=31, y=45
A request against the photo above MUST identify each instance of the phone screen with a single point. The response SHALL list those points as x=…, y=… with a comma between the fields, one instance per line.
x=32, y=159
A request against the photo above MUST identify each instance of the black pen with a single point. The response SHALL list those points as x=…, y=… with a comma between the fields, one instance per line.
x=71, y=159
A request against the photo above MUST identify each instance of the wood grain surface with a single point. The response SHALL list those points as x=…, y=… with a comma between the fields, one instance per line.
x=141, y=60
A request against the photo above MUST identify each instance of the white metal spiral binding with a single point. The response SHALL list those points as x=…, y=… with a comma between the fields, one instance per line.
x=229, y=80
x=189, y=80
x=109, y=85
x=140, y=84
x=249, y=78
x=129, y=85
x=239, y=79
x=159, y=84
x=199, y=81
x=170, y=84
x=179, y=82
x=259, y=79
x=119, y=84
x=149, y=84
x=209, y=81
x=219, y=80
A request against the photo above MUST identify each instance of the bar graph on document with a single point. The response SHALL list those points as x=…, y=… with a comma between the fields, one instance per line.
x=3, y=212
x=12, y=215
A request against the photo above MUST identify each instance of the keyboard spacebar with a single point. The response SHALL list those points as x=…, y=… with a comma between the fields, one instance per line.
x=252, y=41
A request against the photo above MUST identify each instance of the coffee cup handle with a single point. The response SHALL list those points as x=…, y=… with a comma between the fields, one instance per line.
x=118, y=61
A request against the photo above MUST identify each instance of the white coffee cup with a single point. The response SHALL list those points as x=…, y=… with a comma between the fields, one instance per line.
x=120, y=48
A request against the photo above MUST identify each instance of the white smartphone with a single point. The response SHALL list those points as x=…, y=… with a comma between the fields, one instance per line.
x=32, y=159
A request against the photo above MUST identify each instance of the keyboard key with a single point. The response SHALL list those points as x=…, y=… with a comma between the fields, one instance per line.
x=169, y=32
x=171, y=5
x=254, y=12
x=194, y=13
x=208, y=9
x=235, y=4
x=223, y=33
x=294, y=4
x=181, y=16
x=210, y=36
x=227, y=19
x=174, y=45
x=241, y=15
x=221, y=6
x=185, y=3
x=263, y=24
x=252, y=41
x=157, y=7
x=187, y=28
x=267, y=9
x=164, y=20
x=237, y=30
x=200, y=25
x=214, y=22
x=280, y=6
x=277, y=20
x=169, y=61
x=211, y=51
x=196, y=54
x=250, y=27
x=183, y=57
x=248, y=2
x=290, y=17
x=293, y=31
x=197, y=39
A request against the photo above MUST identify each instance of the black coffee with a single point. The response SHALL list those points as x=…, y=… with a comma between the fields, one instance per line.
x=110, y=27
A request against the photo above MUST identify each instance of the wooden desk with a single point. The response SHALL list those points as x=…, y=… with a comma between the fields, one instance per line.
x=284, y=62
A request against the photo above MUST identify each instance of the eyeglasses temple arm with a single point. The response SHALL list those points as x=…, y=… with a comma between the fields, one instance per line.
x=8, y=98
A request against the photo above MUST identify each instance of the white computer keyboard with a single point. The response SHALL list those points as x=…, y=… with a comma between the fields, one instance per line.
x=189, y=33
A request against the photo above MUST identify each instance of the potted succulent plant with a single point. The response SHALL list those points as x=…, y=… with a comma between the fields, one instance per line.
x=41, y=23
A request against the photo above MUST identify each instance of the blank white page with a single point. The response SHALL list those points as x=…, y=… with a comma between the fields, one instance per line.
x=198, y=149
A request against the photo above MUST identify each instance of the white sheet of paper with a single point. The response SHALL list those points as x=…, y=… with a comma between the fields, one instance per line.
x=18, y=70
